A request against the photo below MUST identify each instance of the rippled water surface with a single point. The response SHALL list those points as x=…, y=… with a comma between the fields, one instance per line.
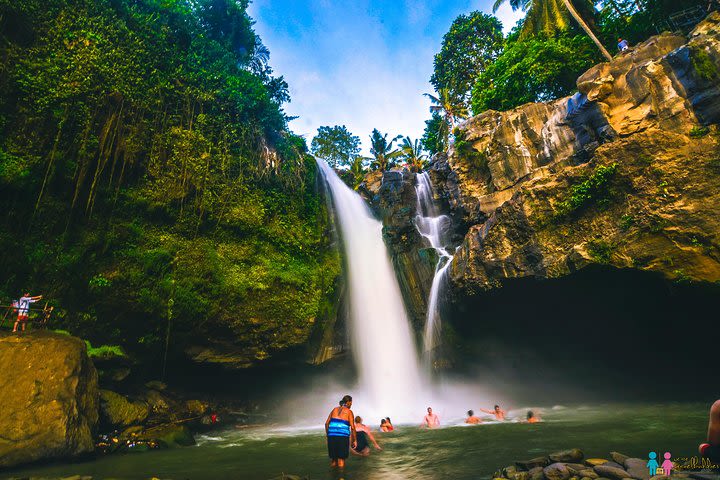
x=453, y=452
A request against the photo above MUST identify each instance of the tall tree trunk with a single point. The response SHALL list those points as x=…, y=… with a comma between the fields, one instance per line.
x=578, y=18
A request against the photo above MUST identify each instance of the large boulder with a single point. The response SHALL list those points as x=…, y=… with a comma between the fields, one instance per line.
x=50, y=392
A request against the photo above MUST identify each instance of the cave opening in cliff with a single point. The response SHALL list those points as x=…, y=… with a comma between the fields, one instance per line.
x=601, y=333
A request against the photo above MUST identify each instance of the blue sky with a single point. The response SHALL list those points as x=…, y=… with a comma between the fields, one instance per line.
x=360, y=63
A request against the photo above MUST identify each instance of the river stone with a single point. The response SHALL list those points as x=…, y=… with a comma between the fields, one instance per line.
x=588, y=472
x=611, y=471
x=614, y=465
x=49, y=388
x=637, y=468
x=596, y=461
x=575, y=467
x=533, y=462
x=567, y=456
x=619, y=457
x=519, y=476
x=536, y=473
x=556, y=471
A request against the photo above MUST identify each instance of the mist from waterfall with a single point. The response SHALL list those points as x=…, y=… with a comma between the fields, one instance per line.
x=434, y=228
x=383, y=346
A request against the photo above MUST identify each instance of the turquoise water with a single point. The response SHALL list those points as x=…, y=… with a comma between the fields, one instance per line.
x=453, y=452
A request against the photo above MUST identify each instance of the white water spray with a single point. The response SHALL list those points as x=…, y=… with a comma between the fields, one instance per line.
x=433, y=227
x=382, y=341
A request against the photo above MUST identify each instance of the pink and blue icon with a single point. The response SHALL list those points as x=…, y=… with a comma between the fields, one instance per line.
x=654, y=466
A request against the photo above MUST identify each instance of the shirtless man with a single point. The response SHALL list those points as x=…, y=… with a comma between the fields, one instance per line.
x=340, y=431
x=362, y=448
x=711, y=449
x=431, y=420
x=498, y=412
x=472, y=419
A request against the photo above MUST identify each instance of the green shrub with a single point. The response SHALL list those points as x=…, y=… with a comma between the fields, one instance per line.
x=626, y=222
x=699, y=132
x=704, y=65
x=600, y=250
x=104, y=351
x=591, y=190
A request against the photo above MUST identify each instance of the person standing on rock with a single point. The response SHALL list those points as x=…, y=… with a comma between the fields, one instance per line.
x=23, y=309
x=431, y=420
x=340, y=431
x=497, y=411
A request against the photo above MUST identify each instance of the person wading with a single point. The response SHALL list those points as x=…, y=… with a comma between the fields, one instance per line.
x=340, y=431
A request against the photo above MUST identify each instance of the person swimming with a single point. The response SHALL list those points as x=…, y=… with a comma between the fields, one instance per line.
x=389, y=424
x=497, y=411
x=384, y=425
x=362, y=447
x=532, y=418
x=711, y=449
x=431, y=420
x=341, y=433
x=472, y=419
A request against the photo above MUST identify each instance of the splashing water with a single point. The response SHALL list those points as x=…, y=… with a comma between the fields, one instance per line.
x=382, y=342
x=433, y=227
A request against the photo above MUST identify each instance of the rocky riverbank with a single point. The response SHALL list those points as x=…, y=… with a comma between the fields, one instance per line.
x=573, y=465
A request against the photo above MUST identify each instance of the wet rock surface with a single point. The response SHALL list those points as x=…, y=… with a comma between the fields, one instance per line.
x=51, y=390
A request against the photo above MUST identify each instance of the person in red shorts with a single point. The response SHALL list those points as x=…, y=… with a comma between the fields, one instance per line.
x=23, y=310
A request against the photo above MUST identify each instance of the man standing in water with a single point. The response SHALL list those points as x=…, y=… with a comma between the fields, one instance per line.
x=431, y=420
x=340, y=431
x=497, y=411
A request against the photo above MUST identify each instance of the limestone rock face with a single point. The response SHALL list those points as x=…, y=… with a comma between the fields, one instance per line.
x=392, y=195
x=625, y=173
x=50, y=393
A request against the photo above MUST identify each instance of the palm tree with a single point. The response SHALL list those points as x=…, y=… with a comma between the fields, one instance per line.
x=358, y=170
x=549, y=16
x=382, y=150
x=448, y=106
x=413, y=154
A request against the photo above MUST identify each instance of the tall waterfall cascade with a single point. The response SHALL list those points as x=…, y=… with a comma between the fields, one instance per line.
x=382, y=341
x=434, y=227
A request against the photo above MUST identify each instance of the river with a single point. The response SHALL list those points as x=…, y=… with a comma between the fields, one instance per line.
x=455, y=451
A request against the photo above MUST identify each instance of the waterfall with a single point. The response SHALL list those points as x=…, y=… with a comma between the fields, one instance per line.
x=433, y=227
x=381, y=338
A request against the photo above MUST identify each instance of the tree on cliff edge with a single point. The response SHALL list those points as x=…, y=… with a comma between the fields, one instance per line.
x=549, y=16
x=336, y=145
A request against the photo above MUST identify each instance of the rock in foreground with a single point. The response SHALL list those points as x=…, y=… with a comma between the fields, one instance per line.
x=50, y=392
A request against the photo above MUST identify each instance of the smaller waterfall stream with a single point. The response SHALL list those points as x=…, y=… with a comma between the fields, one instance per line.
x=433, y=227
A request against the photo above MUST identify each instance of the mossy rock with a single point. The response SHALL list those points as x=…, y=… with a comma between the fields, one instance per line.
x=120, y=412
x=170, y=436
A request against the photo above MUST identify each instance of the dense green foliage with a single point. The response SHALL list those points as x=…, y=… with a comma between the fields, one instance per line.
x=473, y=41
x=587, y=192
x=536, y=69
x=336, y=145
x=149, y=180
x=435, y=136
x=384, y=155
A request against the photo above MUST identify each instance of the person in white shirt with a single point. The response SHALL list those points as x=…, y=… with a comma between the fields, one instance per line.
x=23, y=310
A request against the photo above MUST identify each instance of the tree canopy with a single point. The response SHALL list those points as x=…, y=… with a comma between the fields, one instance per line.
x=336, y=145
x=473, y=42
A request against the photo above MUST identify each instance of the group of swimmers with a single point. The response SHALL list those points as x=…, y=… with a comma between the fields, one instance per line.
x=347, y=434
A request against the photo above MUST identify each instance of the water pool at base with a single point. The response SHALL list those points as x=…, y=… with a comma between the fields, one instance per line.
x=453, y=452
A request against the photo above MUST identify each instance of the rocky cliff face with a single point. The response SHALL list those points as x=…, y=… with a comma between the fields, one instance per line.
x=50, y=393
x=625, y=173
x=392, y=195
